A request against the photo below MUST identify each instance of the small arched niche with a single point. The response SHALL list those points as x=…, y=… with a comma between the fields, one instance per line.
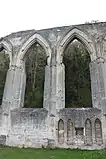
x=35, y=62
x=60, y=131
x=76, y=59
x=69, y=131
x=88, y=132
x=98, y=132
x=4, y=66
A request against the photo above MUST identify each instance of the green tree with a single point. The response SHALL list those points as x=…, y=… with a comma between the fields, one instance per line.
x=35, y=71
x=77, y=76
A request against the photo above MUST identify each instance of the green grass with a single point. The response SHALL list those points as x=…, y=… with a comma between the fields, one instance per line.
x=17, y=153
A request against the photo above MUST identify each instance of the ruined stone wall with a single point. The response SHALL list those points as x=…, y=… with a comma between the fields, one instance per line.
x=79, y=128
x=69, y=128
x=29, y=128
x=54, y=125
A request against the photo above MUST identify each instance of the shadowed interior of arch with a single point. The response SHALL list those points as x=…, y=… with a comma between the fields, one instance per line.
x=4, y=66
x=76, y=59
x=35, y=62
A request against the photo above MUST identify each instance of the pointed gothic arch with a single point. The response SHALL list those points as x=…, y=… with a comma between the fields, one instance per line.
x=88, y=132
x=8, y=47
x=65, y=43
x=28, y=43
x=98, y=131
x=61, y=131
x=69, y=37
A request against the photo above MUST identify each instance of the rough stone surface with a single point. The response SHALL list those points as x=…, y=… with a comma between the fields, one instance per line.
x=54, y=125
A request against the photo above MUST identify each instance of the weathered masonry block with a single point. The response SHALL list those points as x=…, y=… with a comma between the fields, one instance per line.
x=54, y=125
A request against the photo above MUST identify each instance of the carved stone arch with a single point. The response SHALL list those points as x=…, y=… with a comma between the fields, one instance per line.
x=88, y=132
x=29, y=42
x=81, y=36
x=98, y=131
x=61, y=131
x=8, y=47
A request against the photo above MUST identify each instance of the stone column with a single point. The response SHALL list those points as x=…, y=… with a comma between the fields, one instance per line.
x=60, y=86
x=46, y=96
x=57, y=88
x=57, y=84
x=98, y=83
x=52, y=102
x=14, y=88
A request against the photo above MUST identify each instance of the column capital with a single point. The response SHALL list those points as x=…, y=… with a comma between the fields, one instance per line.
x=14, y=68
x=99, y=60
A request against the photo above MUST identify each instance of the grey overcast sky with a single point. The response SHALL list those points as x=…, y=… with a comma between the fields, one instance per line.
x=17, y=15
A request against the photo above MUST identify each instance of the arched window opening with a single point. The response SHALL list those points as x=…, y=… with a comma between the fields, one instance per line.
x=88, y=132
x=77, y=75
x=35, y=63
x=69, y=131
x=4, y=66
x=61, y=131
x=98, y=132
